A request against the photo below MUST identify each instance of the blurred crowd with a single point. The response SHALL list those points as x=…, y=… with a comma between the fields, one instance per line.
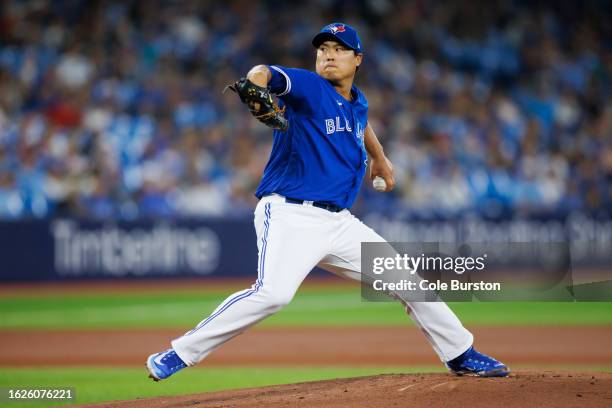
x=113, y=109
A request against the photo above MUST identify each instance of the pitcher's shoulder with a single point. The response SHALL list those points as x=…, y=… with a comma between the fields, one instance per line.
x=361, y=98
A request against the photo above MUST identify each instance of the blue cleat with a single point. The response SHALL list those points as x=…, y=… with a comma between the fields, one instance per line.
x=477, y=364
x=162, y=365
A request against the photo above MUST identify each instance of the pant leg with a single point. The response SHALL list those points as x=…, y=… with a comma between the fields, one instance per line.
x=289, y=247
x=436, y=320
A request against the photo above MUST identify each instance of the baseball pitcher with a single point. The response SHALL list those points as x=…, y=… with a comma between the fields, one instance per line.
x=322, y=144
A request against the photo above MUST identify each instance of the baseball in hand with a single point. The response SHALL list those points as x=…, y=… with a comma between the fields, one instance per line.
x=379, y=183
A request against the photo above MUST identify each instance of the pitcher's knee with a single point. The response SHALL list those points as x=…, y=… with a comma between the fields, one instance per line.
x=276, y=300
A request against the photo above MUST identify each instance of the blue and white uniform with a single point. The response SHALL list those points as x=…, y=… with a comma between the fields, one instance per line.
x=302, y=219
x=321, y=157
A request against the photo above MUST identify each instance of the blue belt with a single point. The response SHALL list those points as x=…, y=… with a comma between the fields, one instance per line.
x=329, y=207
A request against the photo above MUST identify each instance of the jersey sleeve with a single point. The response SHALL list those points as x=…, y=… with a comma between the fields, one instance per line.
x=298, y=88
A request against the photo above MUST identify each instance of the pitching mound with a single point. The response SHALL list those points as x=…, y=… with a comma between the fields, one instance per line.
x=544, y=389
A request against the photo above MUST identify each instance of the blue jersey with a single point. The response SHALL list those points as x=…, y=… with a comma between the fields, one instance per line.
x=321, y=157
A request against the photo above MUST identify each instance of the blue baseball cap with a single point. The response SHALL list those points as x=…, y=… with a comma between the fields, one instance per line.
x=340, y=32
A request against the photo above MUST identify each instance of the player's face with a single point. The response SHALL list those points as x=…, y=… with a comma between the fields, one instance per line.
x=335, y=62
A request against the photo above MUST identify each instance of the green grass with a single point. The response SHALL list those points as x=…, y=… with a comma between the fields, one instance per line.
x=312, y=306
x=106, y=384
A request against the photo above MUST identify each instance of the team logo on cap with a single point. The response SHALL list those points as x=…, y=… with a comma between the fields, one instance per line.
x=337, y=28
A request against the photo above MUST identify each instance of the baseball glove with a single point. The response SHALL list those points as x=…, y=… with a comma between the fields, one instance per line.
x=260, y=103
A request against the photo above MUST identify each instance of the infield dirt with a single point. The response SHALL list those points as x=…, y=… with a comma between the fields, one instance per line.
x=532, y=389
x=545, y=347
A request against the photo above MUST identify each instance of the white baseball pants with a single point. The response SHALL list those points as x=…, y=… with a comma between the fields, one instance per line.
x=292, y=239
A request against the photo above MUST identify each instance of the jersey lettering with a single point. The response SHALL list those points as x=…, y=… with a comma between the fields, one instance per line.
x=330, y=126
x=334, y=125
x=360, y=132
